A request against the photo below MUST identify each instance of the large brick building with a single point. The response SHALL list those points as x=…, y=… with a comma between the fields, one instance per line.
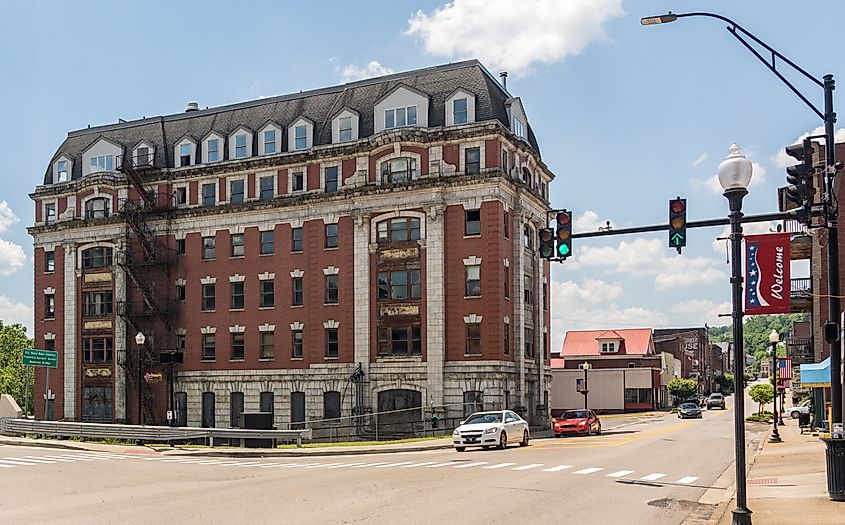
x=359, y=248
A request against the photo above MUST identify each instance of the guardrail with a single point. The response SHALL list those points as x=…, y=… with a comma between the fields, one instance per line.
x=143, y=433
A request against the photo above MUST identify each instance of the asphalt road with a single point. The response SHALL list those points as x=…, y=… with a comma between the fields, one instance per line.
x=641, y=470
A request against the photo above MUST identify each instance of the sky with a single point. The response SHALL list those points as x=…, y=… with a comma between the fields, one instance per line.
x=626, y=116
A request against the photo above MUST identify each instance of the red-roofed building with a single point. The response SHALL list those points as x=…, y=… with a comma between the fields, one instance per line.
x=623, y=371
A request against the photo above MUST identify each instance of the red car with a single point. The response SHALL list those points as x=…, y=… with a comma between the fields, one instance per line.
x=577, y=422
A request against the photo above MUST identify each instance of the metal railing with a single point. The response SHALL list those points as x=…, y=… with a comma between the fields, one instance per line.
x=800, y=285
x=17, y=426
x=793, y=226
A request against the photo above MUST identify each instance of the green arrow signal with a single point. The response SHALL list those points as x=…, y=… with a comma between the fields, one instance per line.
x=677, y=239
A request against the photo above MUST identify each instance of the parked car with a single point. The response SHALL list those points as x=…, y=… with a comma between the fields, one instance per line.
x=796, y=411
x=577, y=422
x=491, y=429
x=716, y=400
x=688, y=410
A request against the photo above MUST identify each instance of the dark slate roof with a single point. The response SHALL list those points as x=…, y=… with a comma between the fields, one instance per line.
x=318, y=105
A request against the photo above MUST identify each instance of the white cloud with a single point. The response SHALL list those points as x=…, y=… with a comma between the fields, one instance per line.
x=650, y=257
x=697, y=312
x=701, y=158
x=589, y=221
x=513, y=36
x=758, y=176
x=7, y=217
x=353, y=72
x=14, y=312
x=12, y=258
x=782, y=160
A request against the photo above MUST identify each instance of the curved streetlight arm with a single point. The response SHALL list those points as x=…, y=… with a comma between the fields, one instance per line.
x=735, y=29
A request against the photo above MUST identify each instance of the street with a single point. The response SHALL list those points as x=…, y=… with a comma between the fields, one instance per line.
x=640, y=470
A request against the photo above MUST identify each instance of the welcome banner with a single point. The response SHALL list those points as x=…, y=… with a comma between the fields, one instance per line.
x=767, y=274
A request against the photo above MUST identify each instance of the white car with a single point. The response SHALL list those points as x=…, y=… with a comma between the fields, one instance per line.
x=491, y=429
x=795, y=411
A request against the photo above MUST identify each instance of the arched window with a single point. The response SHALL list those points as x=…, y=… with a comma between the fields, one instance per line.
x=526, y=176
x=97, y=208
x=402, y=169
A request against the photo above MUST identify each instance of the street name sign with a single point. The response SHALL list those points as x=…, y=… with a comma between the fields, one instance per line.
x=33, y=357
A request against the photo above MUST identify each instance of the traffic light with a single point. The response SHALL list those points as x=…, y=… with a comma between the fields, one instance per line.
x=800, y=191
x=563, y=222
x=547, y=243
x=677, y=223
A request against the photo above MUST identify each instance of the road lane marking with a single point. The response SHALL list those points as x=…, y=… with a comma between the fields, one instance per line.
x=528, y=467
x=248, y=464
x=499, y=465
x=475, y=464
x=295, y=465
x=438, y=465
x=228, y=463
x=212, y=461
x=36, y=460
x=588, y=470
x=65, y=459
x=653, y=477
x=557, y=468
x=395, y=464
x=87, y=457
x=51, y=458
x=6, y=466
x=424, y=463
x=346, y=465
x=619, y=473
x=321, y=465
x=687, y=480
x=274, y=465
x=16, y=463
x=370, y=464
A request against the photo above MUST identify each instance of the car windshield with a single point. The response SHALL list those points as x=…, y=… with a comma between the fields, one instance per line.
x=688, y=406
x=574, y=414
x=715, y=396
x=483, y=418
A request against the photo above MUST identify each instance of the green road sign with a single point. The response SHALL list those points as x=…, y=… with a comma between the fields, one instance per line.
x=677, y=239
x=33, y=357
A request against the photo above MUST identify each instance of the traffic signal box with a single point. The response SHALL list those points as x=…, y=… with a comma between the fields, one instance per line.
x=800, y=191
x=547, y=243
x=677, y=223
x=563, y=235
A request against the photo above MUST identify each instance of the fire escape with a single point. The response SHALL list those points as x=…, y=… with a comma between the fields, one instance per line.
x=147, y=262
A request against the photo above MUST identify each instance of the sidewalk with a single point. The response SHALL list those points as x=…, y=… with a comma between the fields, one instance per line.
x=787, y=483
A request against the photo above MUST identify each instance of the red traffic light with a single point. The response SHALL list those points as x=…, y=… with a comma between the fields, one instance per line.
x=563, y=219
x=677, y=206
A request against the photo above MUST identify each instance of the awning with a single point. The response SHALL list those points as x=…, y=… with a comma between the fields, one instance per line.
x=816, y=375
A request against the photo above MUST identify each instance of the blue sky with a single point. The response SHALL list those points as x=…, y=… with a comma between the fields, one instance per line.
x=626, y=116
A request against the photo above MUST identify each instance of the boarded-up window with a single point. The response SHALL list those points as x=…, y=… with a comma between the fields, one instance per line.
x=331, y=405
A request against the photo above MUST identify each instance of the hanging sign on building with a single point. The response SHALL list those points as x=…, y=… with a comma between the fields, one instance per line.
x=767, y=274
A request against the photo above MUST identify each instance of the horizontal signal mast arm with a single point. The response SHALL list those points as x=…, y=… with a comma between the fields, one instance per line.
x=691, y=224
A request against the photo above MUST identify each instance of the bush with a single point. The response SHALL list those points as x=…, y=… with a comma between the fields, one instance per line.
x=765, y=417
x=682, y=388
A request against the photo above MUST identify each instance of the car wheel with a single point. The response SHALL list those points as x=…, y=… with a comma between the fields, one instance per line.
x=598, y=432
x=485, y=447
x=524, y=442
x=794, y=414
x=589, y=431
x=460, y=449
x=503, y=441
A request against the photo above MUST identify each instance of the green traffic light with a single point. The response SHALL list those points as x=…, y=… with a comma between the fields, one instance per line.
x=563, y=250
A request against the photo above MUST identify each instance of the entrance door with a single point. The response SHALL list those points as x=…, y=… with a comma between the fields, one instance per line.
x=208, y=410
x=97, y=404
x=297, y=410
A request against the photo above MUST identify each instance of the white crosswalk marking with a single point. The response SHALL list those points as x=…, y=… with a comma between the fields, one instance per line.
x=438, y=465
x=321, y=465
x=468, y=465
x=395, y=464
x=528, y=467
x=248, y=464
x=652, y=477
x=36, y=460
x=619, y=473
x=12, y=461
x=370, y=464
x=557, y=468
x=424, y=463
x=296, y=465
x=212, y=462
x=588, y=470
x=687, y=480
x=346, y=465
x=59, y=458
x=76, y=458
x=500, y=465
x=6, y=466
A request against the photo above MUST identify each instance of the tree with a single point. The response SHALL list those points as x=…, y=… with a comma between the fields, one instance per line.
x=13, y=340
x=682, y=388
x=725, y=382
x=762, y=393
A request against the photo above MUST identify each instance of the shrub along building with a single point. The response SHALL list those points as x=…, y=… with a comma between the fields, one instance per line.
x=366, y=247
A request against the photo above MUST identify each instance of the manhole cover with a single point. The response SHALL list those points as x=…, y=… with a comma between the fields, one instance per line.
x=762, y=481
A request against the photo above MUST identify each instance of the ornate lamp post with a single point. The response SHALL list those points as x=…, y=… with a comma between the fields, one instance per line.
x=139, y=340
x=774, y=338
x=734, y=176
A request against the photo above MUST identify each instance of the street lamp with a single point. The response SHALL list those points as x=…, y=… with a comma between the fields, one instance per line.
x=734, y=176
x=774, y=338
x=139, y=340
x=586, y=366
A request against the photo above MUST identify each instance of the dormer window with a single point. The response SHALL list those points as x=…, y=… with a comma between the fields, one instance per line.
x=102, y=163
x=608, y=347
x=213, y=150
x=518, y=128
x=240, y=146
x=398, y=170
x=345, y=125
x=300, y=137
x=185, y=154
x=459, y=108
x=269, y=141
x=61, y=171
x=97, y=208
x=399, y=117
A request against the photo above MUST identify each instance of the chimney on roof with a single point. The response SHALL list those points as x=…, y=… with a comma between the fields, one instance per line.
x=192, y=106
x=504, y=76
